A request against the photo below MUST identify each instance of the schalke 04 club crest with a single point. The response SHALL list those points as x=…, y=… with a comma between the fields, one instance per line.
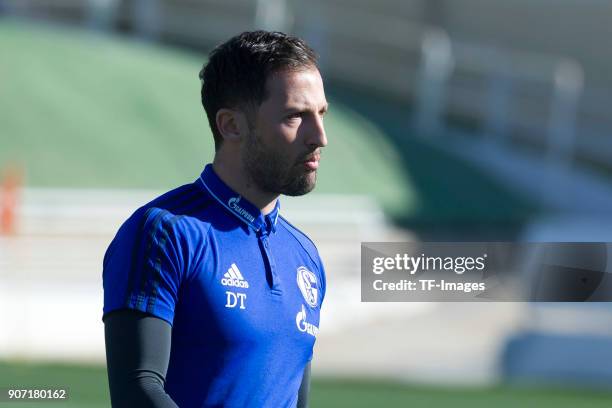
x=307, y=282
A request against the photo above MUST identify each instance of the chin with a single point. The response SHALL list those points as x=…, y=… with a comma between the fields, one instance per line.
x=303, y=185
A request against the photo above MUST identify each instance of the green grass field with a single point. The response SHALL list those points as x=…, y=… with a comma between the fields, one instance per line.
x=88, y=388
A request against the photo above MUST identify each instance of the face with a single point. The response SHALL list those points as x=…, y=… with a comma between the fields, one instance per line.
x=282, y=152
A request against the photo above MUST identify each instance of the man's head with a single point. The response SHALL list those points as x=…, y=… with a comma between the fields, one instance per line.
x=264, y=99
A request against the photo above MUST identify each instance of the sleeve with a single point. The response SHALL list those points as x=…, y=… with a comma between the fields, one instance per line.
x=144, y=265
x=323, y=280
x=304, y=388
x=137, y=355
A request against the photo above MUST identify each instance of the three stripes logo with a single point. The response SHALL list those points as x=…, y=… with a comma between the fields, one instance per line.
x=233, y=277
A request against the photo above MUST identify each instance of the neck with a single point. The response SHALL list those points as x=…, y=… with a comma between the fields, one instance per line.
x=237, y=179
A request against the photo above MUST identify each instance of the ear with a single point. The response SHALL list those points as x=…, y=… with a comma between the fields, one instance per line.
x=232, y=124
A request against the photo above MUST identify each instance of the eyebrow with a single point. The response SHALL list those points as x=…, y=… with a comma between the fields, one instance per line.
x=304, y=108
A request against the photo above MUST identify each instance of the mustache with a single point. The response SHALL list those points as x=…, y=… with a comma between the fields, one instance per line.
x=314, y=155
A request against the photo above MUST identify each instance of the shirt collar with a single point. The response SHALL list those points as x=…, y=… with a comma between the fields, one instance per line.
x=236, y=204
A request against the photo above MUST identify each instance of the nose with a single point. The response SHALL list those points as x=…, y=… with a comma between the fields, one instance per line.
x=317, y=137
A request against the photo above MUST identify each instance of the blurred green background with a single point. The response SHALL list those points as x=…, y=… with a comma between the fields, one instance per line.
x=90, y=111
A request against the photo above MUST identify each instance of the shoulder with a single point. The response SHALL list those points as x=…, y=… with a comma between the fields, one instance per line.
x=309, y=247
x=178, y=208
x=180, y=214
x=303, y=239
x=187, y=200
x=169, y=229
x=147, y=228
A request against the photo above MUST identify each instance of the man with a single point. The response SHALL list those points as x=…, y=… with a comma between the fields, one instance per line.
x=211, y=298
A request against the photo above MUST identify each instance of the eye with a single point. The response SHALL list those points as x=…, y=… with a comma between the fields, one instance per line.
x=294, y=117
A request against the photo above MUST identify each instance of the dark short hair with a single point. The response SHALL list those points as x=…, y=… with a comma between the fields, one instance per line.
x=236, y=73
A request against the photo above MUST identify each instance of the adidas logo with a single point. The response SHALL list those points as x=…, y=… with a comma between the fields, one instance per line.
x=233, y=277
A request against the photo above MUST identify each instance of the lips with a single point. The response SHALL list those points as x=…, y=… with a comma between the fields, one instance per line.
x=312, y=162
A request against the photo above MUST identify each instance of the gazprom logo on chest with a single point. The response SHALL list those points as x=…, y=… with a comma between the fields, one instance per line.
x=234, y=204
x=303, y=325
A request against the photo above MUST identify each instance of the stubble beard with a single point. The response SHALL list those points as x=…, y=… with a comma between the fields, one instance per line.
x=272, y=172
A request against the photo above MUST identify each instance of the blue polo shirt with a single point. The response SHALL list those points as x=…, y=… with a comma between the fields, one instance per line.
x=242, y=291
